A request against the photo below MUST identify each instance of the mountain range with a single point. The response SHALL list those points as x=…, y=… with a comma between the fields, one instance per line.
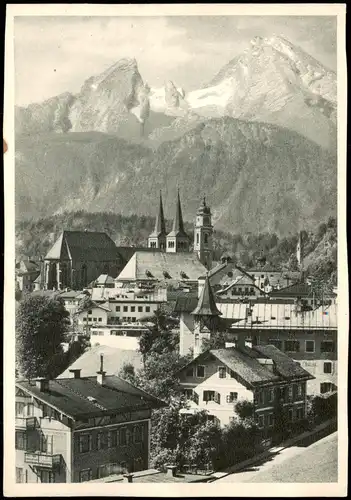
x=259, y=139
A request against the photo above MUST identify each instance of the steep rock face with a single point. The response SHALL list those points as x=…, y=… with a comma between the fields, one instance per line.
x=105, y=101
x=257, y=177
x=275, y=82
x=49, y=116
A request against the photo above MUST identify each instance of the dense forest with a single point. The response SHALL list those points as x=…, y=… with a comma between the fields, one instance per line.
x=34, y=238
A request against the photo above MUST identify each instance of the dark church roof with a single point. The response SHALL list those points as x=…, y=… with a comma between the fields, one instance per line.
x=84, y=246
x=206, y=305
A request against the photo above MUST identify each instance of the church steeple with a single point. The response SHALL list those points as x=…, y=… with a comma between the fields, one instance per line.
x=177, y=239
x=206, y=317
x=178, y=224
x=203, y=232
x=157, y=238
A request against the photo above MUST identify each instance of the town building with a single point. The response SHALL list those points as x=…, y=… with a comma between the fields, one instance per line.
x=27, y=271
x=309, y=336
x=114, y=360
x=76, y=429
x=91, y=314
x=123, y=336
x=174, y=270
x=79, y=257
x=217, y=380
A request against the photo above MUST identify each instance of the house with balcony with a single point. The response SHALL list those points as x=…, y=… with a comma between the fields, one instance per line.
x=76, y=429
x=217, y=380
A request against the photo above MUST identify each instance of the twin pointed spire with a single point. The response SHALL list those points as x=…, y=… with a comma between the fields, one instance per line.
x=178, y=224
x=160, y=223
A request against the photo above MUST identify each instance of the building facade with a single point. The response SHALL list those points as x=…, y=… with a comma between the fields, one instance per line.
x=217, y=380
x=78, y=429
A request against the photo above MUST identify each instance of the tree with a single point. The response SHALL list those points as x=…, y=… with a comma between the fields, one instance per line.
x=127, y=372
x=159, y=336
x=41, y=324
x=217, y=340
x=245, y=410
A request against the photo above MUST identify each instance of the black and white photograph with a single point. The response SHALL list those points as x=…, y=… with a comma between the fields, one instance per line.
x=176, y=271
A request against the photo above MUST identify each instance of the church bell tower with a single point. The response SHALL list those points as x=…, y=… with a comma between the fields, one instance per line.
x=157, y=238
x=203, y=232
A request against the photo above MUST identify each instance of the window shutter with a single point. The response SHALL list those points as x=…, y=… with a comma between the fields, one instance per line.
x=205, y=395
x=217, y=397
x=227, y=398
x=109, y=439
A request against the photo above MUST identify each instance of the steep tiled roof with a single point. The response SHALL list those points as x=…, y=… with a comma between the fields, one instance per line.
x=84, y=246
x=245, y=366
x=27, y=266
x=152, y=266
x=104, y=279
x=71, y=395
x=206, y=305
x=114, y=359
x=285, y=366
x=295, y=290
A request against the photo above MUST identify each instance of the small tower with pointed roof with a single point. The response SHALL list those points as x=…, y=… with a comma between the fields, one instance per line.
x=206, y=317
x=203, y=231
x=177, y=239
x=157, y=238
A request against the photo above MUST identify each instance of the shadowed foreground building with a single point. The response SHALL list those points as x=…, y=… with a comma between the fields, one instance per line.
x=76, y=429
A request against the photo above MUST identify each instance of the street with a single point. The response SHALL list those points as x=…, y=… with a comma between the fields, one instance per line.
x=317, y=463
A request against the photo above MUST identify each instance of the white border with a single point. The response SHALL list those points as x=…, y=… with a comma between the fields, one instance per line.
x=171, y=490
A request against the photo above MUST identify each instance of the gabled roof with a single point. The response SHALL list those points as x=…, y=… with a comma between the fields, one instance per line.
x=83, y=246
x=206, y=305
x=285, y=366
x=294, y=290
x=70, y=396
x=114, y=359
x=151, y=266
x=27, y=266
x=244, y=362
x=104, y=279
x=243, y=281
x=70, y=294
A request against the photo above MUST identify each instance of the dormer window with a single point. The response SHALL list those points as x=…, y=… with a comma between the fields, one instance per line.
x=148, y=273
x=183, y=275
x=167, y=275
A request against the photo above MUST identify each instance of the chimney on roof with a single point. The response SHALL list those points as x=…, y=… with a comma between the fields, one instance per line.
x=74, y=372
x=42, y=384
x=171, y=470
x=101, y=374
x=128, y=477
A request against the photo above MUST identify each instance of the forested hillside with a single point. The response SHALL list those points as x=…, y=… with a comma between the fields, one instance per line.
x=34, y=239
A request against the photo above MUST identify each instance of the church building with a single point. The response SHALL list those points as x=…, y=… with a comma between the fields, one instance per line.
x=177, y=240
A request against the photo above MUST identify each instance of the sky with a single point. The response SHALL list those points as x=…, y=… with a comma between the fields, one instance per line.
x=57, y=54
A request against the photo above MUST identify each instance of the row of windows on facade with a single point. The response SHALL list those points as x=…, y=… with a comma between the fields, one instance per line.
x=104, y=440
x=104, y=470
x=132, y=308
x=267, y=420
x=310, y=345
x=292, y=392
x=43, y=476
x=110, y=469
x=120, y=437
x=171, y=244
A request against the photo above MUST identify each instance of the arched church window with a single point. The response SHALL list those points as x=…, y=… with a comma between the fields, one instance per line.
x=197, y=238
x=206, y=238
